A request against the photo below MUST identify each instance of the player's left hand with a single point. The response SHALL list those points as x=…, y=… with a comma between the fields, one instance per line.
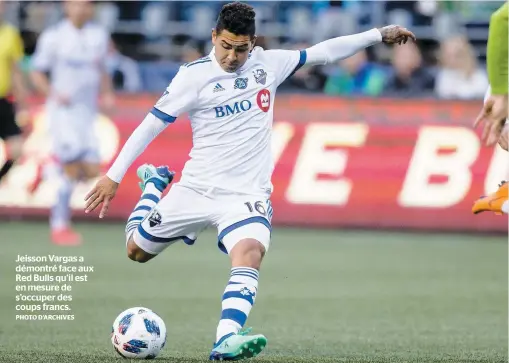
x=493, y=114
x=102, y=193
x=395, y=34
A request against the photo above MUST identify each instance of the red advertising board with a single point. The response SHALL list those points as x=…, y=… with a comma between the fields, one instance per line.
x=339, y=163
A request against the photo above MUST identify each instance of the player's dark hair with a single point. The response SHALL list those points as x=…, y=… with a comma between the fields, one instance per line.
x=237, y=18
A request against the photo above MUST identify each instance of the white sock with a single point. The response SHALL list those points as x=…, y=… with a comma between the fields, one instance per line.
x=238, y=299
x=61, y=211
x=150, y=197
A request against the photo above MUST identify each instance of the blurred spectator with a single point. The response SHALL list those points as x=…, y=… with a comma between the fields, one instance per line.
x=152, y=33
x=124, y=71
x=459, y=75
x=410, y=13
x=356, y=76
x=408, y=78
x=333, y=19
x=263, y=41
x=107, y=14
x=190, y=52
x=306, y=78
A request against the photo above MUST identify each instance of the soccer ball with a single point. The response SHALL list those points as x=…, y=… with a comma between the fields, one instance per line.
x=138, y=333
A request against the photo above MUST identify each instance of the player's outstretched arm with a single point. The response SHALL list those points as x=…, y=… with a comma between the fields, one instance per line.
x=179, y=97
x=105, y=189
x=286, y=62
x=335, y=49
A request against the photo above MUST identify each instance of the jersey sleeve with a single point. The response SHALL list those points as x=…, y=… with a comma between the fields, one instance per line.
x=497, y=51
x=135, y=145
x=44, y=52
x=179, y=97
x=285, y=62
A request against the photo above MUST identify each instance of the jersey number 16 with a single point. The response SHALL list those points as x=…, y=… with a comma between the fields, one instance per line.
x=258, y=206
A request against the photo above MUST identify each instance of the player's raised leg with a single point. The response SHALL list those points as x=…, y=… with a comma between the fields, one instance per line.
x=246, y=241
x=153, y=183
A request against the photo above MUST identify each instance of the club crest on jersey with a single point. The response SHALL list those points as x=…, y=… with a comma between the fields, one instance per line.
x=263, y=100
x=155, y=218
x=260, y=76
x=241, y=83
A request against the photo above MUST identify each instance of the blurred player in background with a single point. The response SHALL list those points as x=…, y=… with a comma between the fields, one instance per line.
x=74, y=53
x=229, y=95
x=495, y=112
x=11, y=84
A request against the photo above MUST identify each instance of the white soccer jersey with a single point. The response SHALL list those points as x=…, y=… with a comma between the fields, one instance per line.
x=231, y=118
x=75, y=58
x=231, y=114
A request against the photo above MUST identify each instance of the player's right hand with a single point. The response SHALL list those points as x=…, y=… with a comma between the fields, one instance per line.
x=395, y=34
x=102, y=193
x=493, y=115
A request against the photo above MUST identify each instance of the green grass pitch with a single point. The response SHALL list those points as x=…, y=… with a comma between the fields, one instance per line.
x=324, y=296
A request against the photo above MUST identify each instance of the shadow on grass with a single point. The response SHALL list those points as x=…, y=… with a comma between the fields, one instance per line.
x=104, y=357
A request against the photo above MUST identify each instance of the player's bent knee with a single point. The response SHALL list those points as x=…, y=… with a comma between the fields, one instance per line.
x=135, y=253
x=72, y=170
x=91, y=170
x=247, y=253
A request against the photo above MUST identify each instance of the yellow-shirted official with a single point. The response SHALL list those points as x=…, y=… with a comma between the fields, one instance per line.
x=11, y=86
x=11, y=52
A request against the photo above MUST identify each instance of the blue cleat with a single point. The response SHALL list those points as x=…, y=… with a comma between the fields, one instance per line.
x=160, y=176
x=238, y=346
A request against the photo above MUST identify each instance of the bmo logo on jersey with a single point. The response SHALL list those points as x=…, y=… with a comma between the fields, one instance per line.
x=237, y=107
x=263, y=100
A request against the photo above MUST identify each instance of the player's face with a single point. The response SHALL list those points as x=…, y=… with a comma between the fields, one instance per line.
x=232, y=50
x=79, y=11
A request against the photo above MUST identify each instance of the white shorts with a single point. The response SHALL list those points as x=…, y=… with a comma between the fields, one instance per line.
x=73, y=134
x=186, y=211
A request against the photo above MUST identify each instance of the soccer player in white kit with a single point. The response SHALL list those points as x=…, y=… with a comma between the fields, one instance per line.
x=229, y=96
x=74, y=53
